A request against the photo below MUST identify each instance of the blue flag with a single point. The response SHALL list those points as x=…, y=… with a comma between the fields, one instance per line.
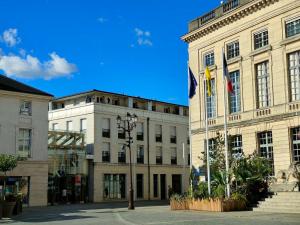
x=193, y=84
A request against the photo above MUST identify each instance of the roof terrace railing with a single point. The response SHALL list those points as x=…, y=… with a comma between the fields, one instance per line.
x=225, y=8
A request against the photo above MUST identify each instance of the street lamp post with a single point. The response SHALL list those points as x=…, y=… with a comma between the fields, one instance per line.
x=129, y=123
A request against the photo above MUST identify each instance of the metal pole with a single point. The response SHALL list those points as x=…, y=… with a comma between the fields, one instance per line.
x=131, y=203
x=183, y=157
x=190, y=131
x=206, y=137
x=225, y=129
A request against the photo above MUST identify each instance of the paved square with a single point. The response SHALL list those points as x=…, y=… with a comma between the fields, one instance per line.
x=148, y=213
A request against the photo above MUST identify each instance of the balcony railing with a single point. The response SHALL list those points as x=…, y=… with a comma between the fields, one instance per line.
x=230, y=5
x=121, y=157
x=216, y=13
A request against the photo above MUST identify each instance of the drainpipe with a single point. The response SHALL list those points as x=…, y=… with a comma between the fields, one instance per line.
x=148, y=153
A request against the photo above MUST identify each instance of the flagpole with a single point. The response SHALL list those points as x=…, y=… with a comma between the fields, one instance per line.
x=206, y=137
x=225, y=129
x=190, y=131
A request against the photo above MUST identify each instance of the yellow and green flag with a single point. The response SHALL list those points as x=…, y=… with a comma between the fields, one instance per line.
x=208, y=79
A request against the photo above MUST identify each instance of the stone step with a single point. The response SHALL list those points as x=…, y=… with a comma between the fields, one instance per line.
x=284, y=204
x=287, y=193
x=278, y=210
x=275, y=199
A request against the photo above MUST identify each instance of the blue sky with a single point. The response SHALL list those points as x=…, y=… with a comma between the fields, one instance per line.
x=131, y=47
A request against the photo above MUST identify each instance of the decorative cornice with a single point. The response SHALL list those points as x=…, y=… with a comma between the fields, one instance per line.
x=227, y=19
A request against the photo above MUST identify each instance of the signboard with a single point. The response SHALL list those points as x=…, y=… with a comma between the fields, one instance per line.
x=78, y=180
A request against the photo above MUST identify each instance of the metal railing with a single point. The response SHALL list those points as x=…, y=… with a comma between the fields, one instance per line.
x=220, y=11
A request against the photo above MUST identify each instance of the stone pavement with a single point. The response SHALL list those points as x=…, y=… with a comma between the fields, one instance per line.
x=148, y=213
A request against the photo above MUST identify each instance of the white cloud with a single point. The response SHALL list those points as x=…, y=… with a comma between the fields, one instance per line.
x=10, y=37
x=31, y=67
x=101, y=19
x=143, y=37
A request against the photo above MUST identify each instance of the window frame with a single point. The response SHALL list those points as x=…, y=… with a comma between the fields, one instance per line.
x=211, y=100
x=235, y=97
x=287, y=22
x=294, y=80
x=263, y=85
x=209, y=57
x=25, y=111
x=260, y=43
x=235, y=50
x=295, y=157
x=24, y=139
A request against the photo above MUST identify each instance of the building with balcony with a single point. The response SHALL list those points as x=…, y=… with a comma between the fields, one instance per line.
x=157, y=150
x=261, y=40
x=23, y=132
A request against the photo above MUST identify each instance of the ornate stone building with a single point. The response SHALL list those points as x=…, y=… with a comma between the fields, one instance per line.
x=261, y=39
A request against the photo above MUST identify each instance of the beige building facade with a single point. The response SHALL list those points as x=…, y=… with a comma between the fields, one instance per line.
x=261, y=41
x=24, y=132
x=161, y=133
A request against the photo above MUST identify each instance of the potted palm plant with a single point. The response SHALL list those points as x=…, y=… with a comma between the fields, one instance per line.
x=7, y=163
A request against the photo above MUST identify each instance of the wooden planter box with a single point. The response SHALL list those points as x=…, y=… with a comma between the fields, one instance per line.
x=213, y=205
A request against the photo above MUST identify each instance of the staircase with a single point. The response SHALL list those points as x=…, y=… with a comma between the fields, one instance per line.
x=281, y=202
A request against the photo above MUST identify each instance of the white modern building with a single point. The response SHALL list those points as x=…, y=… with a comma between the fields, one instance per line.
x=24, y=132
x=161, y=134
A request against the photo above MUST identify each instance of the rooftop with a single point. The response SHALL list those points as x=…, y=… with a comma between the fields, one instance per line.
x=225, y=8
x=8, y=84
x=95, y=91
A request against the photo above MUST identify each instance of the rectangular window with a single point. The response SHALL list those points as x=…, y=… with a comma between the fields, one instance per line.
x=158, y=133
x=121, y=132
x=55, y=126
x=211, y=101
x=263, y=84
x=139, y=131
x=292, y=27
x=261, y=39
x=235, y=96
x=69, y=125
x=106, y=127
x=155, y=185
x=209, y=59
x=159, y=155
x=296, y=144
x=265, y=142
x=114, y=186
x=105, y=152
x=188, y=136
x=173, y=135
x=82, y=125
x=211, y=148
x=25, y=108
x=139, y=185
x=24, y=143
x=189, y=159
x=236, y=146
x=122, y=153
x=140, y=154
x=294, y=73
x=173, y=156
x=233, y=50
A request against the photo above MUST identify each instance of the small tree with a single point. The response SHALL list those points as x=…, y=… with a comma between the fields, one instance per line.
x=7, y=163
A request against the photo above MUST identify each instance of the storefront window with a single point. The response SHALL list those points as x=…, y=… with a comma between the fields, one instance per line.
x=114, y=186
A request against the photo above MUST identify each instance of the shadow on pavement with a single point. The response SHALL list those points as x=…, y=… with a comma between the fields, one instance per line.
x=60, y=212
